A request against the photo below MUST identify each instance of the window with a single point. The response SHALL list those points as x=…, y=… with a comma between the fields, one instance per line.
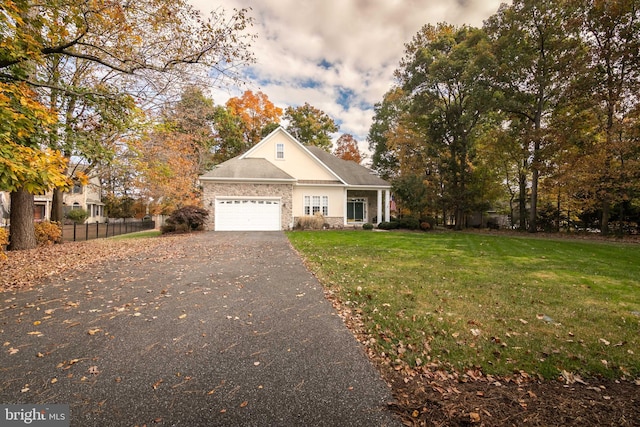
x=315, y=204
x=279, y=151
x=77, y=189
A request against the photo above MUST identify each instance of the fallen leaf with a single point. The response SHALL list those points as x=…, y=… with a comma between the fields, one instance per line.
x=54, y=380
x=415, y=413
x=243, y=404
x=256, y=363
x=222, y=411
x=13, y=350
x=93, y=331
x=603, y=341
x=25, y=388
x=157, y=384
x=474, y=417
x=36, y=323
x=93, y=370
x=182, y=316
x=524, y=322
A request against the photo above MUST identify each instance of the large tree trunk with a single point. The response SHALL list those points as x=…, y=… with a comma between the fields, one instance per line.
x=23, y=234
x=535, y=177
x=522, y=202
x=533, y=212
x=606, y=214
x=57, y=213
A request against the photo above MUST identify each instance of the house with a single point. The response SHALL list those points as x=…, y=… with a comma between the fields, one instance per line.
x=85, y=197
x=280, y=180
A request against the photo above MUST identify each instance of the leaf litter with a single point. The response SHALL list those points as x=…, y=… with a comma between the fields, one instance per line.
x=431, y=394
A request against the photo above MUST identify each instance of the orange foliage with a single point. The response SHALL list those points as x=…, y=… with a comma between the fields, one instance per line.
x=256, y=113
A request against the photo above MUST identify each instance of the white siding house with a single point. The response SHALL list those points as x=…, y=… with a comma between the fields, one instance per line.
x=280, y=180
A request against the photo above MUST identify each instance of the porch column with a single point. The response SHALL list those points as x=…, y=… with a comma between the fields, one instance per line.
x=387, y=205
x=344, y=208
x=379, y=216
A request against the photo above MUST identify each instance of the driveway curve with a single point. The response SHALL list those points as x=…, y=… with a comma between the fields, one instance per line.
x=223, y=329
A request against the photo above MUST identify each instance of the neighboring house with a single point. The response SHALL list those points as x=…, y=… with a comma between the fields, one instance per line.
x=4, y=208
x=85, y=197
x=280, y=180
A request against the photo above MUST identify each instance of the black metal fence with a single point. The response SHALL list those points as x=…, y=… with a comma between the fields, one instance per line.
x=78, y=232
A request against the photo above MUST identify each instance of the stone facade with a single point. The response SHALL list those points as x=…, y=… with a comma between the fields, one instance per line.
x=212, y=190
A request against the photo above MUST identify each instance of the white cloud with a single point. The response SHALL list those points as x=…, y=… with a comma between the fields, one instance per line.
x=310, y=50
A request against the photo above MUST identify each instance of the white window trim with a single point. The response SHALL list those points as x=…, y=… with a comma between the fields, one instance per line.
x=279, y=151
x=313, y=204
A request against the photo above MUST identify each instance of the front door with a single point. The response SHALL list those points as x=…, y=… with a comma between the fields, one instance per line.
x=356, y=211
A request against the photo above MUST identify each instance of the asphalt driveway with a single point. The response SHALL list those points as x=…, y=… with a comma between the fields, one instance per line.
x=223, y=329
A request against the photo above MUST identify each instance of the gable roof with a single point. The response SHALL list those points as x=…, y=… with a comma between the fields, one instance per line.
x=241, y=169
x=247, y=168
x=350, y=172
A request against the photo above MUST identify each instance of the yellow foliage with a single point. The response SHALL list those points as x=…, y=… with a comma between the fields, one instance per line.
x=4, y=240
x=82, y=177
x=48, y=233
x=23, y=164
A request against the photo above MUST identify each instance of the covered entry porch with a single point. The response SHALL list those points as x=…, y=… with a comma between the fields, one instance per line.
x=367, y=206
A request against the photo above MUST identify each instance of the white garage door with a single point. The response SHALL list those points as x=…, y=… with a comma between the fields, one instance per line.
x=247, y=215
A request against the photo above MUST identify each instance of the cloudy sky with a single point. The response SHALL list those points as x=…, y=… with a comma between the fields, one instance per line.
x=338, y=55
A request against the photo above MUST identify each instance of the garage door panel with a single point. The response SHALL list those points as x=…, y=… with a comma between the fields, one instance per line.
x=247, y=215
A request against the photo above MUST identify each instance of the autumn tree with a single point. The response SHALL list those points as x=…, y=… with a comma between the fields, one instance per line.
x=26, y=168
x=347, y=149
x=608, y=89
x=177, y=151
x=534, y=50
x=139, y=45
x=310, y=126
x=442, y=75
x=257, y=114
x=89, y=125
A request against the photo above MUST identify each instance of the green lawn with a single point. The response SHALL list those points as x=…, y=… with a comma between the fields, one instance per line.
x=501, y=303
x=138, y=235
